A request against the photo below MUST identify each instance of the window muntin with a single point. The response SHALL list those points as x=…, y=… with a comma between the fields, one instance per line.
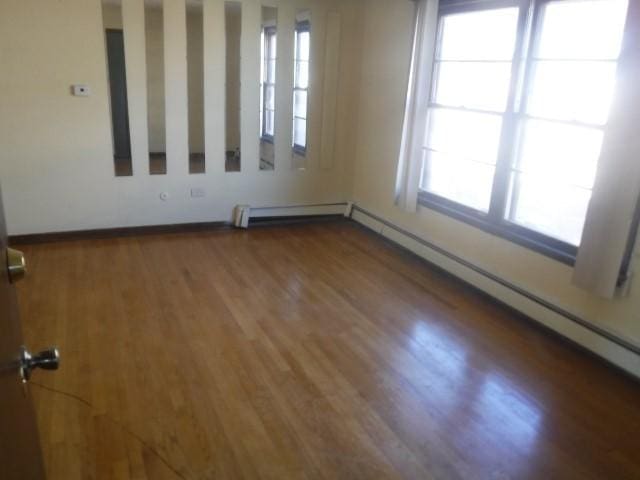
x=268, y=83
x=551, y=106
x=301, y=87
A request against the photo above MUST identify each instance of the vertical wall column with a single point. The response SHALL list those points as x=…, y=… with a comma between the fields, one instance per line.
x=330, y=89
x=176, y=100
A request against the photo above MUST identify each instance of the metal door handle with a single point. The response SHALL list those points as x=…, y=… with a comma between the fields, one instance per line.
x=47, y=360
x=16, y=264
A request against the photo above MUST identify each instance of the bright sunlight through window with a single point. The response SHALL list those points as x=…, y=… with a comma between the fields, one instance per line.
x=518, y=110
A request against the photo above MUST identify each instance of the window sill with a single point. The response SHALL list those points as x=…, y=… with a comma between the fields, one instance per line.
x=550, y=247
x=299, y=151
x=266, y=139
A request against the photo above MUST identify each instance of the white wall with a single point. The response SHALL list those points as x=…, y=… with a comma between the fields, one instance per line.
x=387, y=28
x=56, y=164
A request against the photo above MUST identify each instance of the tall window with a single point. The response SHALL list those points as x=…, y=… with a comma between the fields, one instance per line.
x=520, y=96
x=301, y=87
x=268, y=83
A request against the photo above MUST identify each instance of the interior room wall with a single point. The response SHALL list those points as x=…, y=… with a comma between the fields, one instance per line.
x=387, y=29
x=56, y=163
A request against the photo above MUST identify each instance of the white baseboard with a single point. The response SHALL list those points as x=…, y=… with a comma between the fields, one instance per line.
x=599, y=341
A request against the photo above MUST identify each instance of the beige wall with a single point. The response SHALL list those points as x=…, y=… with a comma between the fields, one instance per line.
x=387, y=27
x=56, y=164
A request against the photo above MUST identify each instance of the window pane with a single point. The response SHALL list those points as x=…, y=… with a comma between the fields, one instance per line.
x=302, y=75
x=474, y=136
x=463, y=181
x=565, y=153
x=483, y=35
x=302, y=52
x=300, y=103
x=577, y=91
x=269, y=122
x=271, y=71
x=549, y=208
x=271, y=46
x=478, y=85
x=300, y=132
x=269, y=99
x=582, y=29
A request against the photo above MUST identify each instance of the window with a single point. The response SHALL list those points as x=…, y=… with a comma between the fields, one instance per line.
x=268, y=83
x=301, y=87
x=519, y=100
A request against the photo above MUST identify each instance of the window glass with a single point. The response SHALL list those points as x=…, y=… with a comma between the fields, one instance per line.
x=480, y=35
x=586, y=29
x=472, y=76
x=268, y=57
x=301, y=86
x=476, y=85
x=521, y=151
x=233, y=133
x=572, y=79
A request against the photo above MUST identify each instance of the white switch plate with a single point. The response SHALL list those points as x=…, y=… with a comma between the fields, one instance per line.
x=80, y=90
x=197, y=192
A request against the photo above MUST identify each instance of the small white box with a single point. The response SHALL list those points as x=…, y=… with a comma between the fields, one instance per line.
x=80, y=90
x=197, y=192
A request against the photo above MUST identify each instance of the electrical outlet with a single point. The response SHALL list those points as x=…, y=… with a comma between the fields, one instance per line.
x=197, y=192
x=80, y=90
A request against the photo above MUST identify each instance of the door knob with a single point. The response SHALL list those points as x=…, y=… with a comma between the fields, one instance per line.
x=47, y=360
x=16, y=264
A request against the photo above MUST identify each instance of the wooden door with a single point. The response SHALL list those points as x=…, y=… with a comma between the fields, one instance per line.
x=20, y=454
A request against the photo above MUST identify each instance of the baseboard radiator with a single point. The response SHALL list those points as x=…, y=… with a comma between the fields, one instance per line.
x=611, y=347
x=244, y=214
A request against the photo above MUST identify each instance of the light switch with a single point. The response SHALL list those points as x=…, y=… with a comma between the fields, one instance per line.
x=80, y=90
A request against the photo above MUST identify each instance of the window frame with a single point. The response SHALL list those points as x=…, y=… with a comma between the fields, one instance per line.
x=301, y=27
x=267, y=31
x=495, y=221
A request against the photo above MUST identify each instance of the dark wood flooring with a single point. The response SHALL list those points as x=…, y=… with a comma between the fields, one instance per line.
x=315, y=351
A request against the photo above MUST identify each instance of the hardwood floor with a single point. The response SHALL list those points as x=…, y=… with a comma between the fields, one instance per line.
x=315, y=351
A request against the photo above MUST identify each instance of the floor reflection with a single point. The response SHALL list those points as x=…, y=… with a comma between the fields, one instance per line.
x=472, y=399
